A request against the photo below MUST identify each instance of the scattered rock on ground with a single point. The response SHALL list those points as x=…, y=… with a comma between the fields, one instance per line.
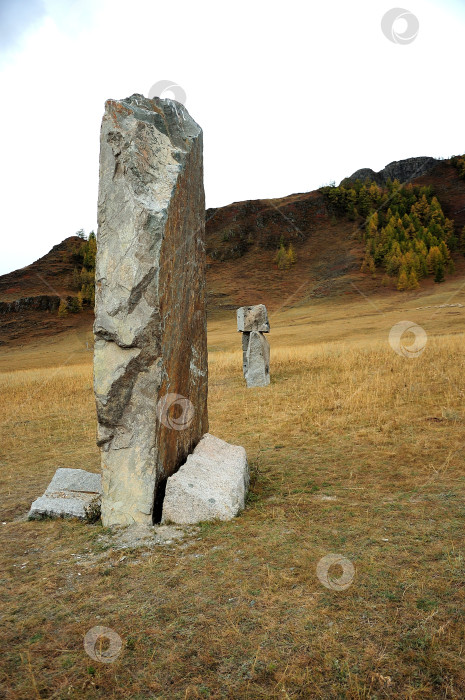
x=211, y=485
x=72, y=493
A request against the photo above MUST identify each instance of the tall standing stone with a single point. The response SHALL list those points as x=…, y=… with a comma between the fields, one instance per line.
x=150, y=362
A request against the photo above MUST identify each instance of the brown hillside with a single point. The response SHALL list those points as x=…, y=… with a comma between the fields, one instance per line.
x=242, y=240
x=29, y=297
x=50, y=275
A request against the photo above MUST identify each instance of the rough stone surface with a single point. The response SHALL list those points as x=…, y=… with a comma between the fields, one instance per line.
x=74, y=480
x=253, y=318
x=245, y=345
x=72, y=493
x=257, y=359
x=211, y=485
x=150, y=318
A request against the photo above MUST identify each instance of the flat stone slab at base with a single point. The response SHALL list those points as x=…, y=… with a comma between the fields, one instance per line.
x=72, y=493
x=253, y=318
x=76, y=480
x=211, y=485
x=66, y=507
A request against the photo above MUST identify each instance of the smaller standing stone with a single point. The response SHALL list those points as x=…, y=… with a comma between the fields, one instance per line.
x=257, y=360
x=252, y=322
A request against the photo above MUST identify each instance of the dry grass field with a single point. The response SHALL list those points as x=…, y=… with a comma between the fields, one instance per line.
x=354, y=450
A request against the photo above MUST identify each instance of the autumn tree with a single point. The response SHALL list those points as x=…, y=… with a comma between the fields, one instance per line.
x=402, y=282
x=413, y=280
x=439, y=273
x=405, y=229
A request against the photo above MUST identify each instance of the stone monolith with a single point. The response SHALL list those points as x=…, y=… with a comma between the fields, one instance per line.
x=150, y=361
x=252, y=322
x=257, y=360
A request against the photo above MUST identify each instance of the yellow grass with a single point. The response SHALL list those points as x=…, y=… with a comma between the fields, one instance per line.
x=354, y=450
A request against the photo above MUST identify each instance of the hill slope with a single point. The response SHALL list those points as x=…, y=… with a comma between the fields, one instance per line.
x=242, y=240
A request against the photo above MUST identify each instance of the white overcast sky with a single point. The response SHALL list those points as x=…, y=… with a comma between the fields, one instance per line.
x=290, y=95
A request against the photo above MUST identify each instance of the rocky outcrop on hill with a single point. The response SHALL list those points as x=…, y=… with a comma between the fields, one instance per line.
x=43, y=302
x=402, y=170
x=233, y=230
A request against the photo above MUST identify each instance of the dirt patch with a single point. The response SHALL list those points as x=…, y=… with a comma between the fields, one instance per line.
x=135, y=536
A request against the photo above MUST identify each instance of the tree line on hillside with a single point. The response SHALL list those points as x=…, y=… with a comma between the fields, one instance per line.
x=405, y=230
x=83, y=280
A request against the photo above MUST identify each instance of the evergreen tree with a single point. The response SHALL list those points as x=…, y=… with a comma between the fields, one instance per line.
x=73, y=305
x=409, y=229
x=291, y=256
x=423, y=271
x=413, y=280
x=63, y=308
x=368, y=264
x=433, y=259
x=439, y=274
x=444, y=251
x=462, y=241
x=402, y=282
x=281, y=258
x=352, y=213
x=459, y=163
